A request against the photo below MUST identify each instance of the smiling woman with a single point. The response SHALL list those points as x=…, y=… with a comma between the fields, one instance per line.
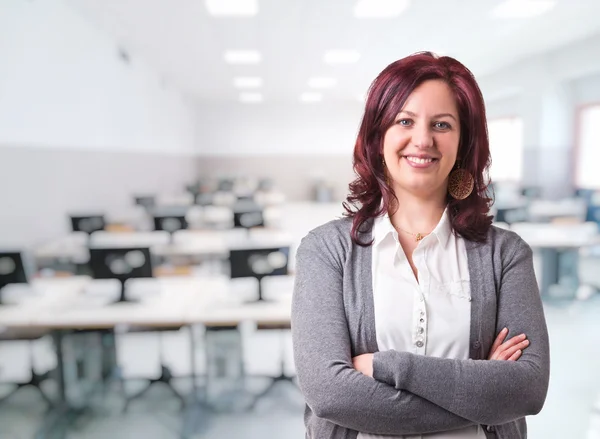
x=414, y=315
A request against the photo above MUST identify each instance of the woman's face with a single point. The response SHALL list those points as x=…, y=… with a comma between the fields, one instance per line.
x=421, y=147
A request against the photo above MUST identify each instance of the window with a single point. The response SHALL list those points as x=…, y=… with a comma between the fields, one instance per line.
x=588, y=153
x=506, y=147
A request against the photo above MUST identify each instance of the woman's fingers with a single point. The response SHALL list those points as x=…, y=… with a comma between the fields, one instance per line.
x=515, y=356
x=505, y=350
x=507, y=353
x=499, y=339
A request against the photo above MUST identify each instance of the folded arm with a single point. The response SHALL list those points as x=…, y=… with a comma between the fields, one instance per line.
x=486, y=392
x=333, y=389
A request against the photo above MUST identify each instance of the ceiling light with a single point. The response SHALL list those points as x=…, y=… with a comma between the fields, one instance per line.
x=242, y=56
x=341, y=56
x=239, y=8
x=251, y=98
x=311, y=97
x=247, y=82
x=523, y=8
x=379, y=8
x=321, y=82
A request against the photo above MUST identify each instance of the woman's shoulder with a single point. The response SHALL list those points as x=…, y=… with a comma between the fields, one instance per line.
x=334, y=231
x=505, y=242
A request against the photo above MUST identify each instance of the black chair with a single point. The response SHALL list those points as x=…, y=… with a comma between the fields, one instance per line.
x=260, y=263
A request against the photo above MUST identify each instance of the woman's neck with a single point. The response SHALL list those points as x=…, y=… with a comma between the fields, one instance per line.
x=415, y=214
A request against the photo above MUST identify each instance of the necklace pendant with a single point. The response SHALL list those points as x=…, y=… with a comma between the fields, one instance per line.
x=418, y=237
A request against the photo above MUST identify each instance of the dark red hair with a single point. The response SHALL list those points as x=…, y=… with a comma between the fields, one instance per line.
x=387, y=95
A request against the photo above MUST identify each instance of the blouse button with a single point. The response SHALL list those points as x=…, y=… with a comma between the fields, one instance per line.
x=419, y=344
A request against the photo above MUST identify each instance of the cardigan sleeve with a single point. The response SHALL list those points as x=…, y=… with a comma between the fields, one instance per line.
x=333, y=389
x=485, y=392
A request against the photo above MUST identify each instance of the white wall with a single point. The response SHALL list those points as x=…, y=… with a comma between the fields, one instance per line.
x=63, y=84
x=272, y=128
x=80, y=130
x=545, y=91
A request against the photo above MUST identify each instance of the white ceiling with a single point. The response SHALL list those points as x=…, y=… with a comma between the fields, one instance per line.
x=186, y=45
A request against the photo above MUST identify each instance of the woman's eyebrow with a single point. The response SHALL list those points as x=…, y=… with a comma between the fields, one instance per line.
x=411, y=114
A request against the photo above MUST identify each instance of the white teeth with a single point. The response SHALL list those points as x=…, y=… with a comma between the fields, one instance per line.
x=418, y=160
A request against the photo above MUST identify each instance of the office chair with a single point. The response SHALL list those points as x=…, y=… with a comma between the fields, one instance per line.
x=124, y=264
x=260, y=263
x=12, y=271
x=36, y=379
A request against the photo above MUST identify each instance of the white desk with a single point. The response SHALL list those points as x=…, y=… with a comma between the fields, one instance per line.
x=559, y=246
x=232, y=314
x=166, y=309
x=39, y=297
x=72, y=247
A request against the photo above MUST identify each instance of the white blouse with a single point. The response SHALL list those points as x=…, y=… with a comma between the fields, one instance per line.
x=429, y=317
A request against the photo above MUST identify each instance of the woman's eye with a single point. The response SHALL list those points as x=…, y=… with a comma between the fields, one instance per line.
x=442, y=125
x=404, y=122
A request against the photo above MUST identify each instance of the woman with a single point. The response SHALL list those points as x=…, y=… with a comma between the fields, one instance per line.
x=401, y=310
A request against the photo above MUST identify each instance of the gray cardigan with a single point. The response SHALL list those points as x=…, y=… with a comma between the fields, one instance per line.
x=333, y=320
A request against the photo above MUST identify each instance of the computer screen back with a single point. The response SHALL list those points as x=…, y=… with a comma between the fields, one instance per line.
x=12, y=269
x=87, y=224
x=120, y=263
x=259, y=262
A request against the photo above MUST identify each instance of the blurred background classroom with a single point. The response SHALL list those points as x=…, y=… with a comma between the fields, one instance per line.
x=161, y=161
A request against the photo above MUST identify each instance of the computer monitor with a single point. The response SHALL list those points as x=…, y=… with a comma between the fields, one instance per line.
x=121, y=264
x=146, y=201
x=170, y=223
x=204, y=199
x=248, y=220
x=531, y=192
x=87, y=223
x=259, y=263
x=12, y=270
x=225, y=185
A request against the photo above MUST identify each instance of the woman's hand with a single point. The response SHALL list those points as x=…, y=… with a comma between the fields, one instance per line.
x=510, y=350
x=364, y=364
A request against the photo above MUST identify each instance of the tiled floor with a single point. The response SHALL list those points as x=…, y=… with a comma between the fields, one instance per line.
x=572, y=409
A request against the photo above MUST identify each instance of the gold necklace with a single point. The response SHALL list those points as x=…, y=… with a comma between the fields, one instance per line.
x=418, y=236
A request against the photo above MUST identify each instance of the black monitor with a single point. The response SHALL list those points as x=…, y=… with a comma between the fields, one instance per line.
x=121, y=264
x=146, y=201
x=531, y=192
x=12, y=270
x=170, y=223
x=87, y=223
x=259, y=263
x=247, y=220
x=204, y=199
x=225, y=185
